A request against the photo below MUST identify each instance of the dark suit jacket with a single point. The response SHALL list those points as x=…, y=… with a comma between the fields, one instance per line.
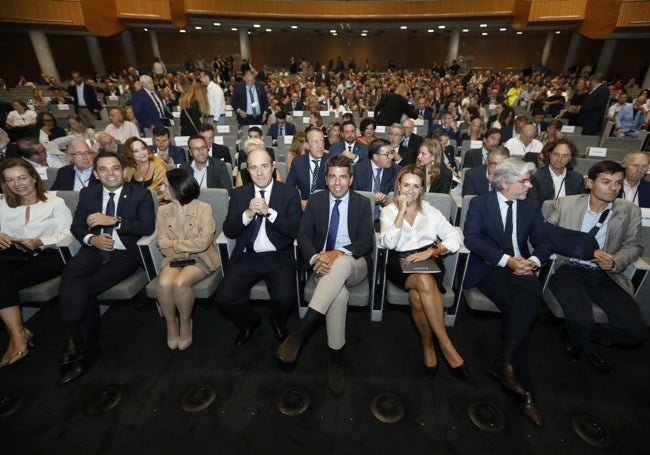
x=35, y=131
x=408, y=155
x=543, y=189
x=135, y=207
x=323, y=78
x=592, y=111
x=453, y=135
x=300, y=175
x=359, y=149
x=643, y=195
x=442, y=184
x=90, y=96
x=145, y=110
x=315, y=221
x=300, y=106
x=177, y=153
x=221, y=152
x=282, y=232
x=289, y=130
x=364, y=177
x=390, y=109
x=65, y=179
x=239, y=99
x=415, y=141
x=217, y=175
x=476, y=181
x=484, y=236
x=473, y=158
x=428, y=114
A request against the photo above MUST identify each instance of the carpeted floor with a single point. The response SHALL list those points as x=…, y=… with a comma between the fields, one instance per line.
x=244, y=418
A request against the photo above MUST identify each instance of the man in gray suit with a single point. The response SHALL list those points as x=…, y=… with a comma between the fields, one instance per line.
x=616, y=225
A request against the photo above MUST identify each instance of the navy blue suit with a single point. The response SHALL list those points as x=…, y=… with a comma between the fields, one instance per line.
x=364, y=178
x=473, y=158
x=359, y=149
x=476, y=181
x=643, y=195
x=90, y=96
x=543, y=189
x=592, y=111
x=289, y=130
x=85, y=276
x=415, y=141
x=239, y=100
x=246, y=268
x=146, y=111
x=177, y=153
x=65, y=178
x=300, y=174
x=221, y=152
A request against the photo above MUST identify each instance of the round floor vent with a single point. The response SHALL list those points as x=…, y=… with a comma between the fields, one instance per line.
x=198, y=397
x=103, y=400
x=10, y=402
x=486, y=416
x=387, y=407
x=293, y=401
x=592, y=431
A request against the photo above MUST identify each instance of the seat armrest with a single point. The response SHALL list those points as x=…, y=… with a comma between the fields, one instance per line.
x=225, y=247
x=150, y=255
x=68, y=248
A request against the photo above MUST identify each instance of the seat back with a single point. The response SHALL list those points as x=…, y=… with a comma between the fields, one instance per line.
x=465, y=208
x=51, y=173
x=443, y=202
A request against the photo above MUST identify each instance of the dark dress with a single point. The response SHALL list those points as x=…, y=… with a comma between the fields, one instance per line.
x=189, y=115
x=442, y=183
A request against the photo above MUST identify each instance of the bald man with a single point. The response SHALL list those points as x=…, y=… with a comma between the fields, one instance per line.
x=635, y=188
x=79, y=174
x=525, y=143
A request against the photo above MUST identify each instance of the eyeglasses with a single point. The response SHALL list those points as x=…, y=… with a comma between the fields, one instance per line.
x=84, y=154
x=522, y=181
x=387, y=154
x=199, y=149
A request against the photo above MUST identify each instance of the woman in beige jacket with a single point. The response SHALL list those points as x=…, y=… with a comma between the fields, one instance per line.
x=185, y=229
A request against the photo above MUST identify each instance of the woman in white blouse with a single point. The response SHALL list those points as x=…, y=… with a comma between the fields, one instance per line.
x=410, y=228
x=30, y=219
x=21, y=115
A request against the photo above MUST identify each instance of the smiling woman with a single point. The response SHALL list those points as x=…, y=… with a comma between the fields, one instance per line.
x=142, y=166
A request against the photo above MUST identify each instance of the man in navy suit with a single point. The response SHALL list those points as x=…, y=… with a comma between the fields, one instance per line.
x=249, y=100
x=447, y=123
x=377, y=173
x=307, y=171
x=401, y=155
x=538, y=122
x=86, y=104
x=497, y=230
x=592, y=110
x=335, y=239
x=477, y=157
x=349, y=146
x=423, y=111
x=164, y=149
x=555, y=180
x=79, y=174
x=148, y=105
x=411, y=140
x=295, y=104
x=281, y=127
x=477, y=179
x=217, y=151
x=636, y=188
x=263, y=217
x=109, y=220
x=207, y=171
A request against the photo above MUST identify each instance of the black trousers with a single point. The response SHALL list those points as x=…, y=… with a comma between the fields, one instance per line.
x=518, y=297
x=276, y=269
x=84, y=278
x=576, y=288
x=16, y=275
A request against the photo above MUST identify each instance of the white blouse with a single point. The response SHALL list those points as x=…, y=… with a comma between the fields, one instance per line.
x=428, y=226
x=49, y=221
x=17, y=119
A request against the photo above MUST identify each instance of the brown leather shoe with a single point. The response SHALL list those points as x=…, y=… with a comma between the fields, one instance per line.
x=508, y=377
x=336, y=378
x=288, y=351
x=530, y=410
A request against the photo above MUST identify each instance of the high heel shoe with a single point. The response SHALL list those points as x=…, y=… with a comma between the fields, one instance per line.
x=20, y=355
x=431, y=371
x=184, y=344
x=29, y=338
x=172, y=343
x=460, y=372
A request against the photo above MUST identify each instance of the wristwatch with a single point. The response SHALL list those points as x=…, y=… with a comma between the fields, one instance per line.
x=118, y=221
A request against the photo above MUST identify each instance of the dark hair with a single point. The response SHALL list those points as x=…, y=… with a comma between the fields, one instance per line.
x=39, y=119
x=438, y=133
x=348, y=122
x=348, y=116
x=365, y=122
x=492, y=131
x=13, y=201
x=339, y=161
x=106, y=154
x=26, y=146
x=605, y=167
x=183, y=185
x=205, y=127
x=375, y=146
x=573, y=148
x=537, y=112
x=21, y=102
x=255, y=128
x=160, y=131
x=208, y=73
x=280, y=115
x=505, y=113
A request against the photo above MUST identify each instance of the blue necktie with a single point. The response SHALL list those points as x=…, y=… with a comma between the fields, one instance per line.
x=257, y=224
x=110, y=211
x=330, y=244
x=508, y=248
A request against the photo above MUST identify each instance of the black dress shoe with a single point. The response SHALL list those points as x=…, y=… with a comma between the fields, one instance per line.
x=571, y=351
x=460, y=372
x=508, y=378
x=288, y=351
x=600, y=363
x=530, y=410
x=72, y=371
x=336, y=378
x=245, y=334
x=72, y=350
x=279, y=330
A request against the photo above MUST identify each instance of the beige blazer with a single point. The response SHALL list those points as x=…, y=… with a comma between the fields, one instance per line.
x=623, y=238
x=192, y=234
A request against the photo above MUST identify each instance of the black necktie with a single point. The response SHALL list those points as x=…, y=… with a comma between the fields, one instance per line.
x=110, y=211
x=257, y=224
x=507, y=244
x=603, y=216
x=315, y=175
x=330, y=244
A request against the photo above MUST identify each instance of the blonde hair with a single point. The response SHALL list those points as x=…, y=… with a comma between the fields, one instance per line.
x=196, y=92
x=435, y=149
x=402, y=89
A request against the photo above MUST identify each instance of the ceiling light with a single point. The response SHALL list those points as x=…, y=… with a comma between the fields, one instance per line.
x=332, y=31
x=217, y=24
x=197, y=27
x=234, y=29
x=294, y=27
x=465, y=30
x=146, y=29
x=430, y=30
x=484, y=33
x=502, y=29
x=364, y=34
x=256, y=25
x=403, y=27
x=182, y=31
x=441, y=27
x=520, y=33
x=249, y=32
x=364, y=31
x=483, y=25
x=268, y=30
x=557, y=32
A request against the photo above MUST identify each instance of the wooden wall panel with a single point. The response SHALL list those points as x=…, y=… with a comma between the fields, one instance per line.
x=101, y=17
x=557, y=10
x=600, y=18
x=143, y=9
x=634, y=14
x=50, y=12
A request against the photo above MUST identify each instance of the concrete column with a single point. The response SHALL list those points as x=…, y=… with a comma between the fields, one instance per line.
x=454, y=41
x=129, y=50
x=572, y=51
x=96, y=54
x=550, y=36
x=153, y=39
x=244, y=44
x=646, y=79
x=606, y=54
x=43, y=53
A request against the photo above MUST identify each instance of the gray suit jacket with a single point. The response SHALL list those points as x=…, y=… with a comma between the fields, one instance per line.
x=623, y=238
